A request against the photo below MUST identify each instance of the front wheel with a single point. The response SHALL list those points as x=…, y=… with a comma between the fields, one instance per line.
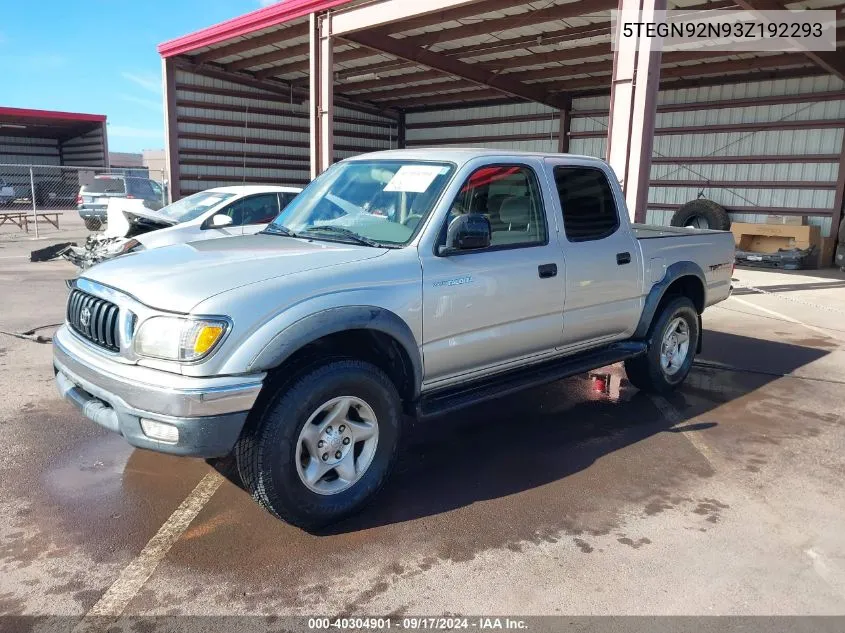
x=671, y=349
x=325, y=445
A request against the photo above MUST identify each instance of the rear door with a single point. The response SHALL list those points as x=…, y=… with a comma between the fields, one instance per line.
x=603, y=268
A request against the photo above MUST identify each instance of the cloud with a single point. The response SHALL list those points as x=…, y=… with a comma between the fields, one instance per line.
x=150, y=82
x=127, y=131
x=149, y=104
x=267, y=3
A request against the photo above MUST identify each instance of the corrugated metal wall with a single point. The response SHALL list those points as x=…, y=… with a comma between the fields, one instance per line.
x=88, y=150
x=521, y=126
x=21, y=150
x=746, y=157
x=231, y=134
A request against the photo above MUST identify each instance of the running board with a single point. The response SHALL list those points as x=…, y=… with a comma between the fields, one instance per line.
x=455, y=398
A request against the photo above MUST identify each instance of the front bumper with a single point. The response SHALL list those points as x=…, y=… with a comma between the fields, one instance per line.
x=209, y=413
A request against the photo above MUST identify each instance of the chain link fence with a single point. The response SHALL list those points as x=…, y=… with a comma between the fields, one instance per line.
x=33, y=194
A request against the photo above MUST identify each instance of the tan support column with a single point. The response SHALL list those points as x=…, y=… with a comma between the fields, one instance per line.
x=321, y=96
x=633, y=104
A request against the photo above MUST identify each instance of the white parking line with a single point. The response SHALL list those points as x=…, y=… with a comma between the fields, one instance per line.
x=12, y=256
x=783, y=316
x=674, y=416
x=135, y=575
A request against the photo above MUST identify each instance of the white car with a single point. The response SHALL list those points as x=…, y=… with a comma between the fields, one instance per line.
x=218, y=212
x=209, y=214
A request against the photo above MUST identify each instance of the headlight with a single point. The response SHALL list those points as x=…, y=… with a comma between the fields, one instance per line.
x=175, y=338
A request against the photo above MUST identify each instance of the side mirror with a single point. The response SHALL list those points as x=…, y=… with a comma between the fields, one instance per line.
x=467, y=232
x=220, y=221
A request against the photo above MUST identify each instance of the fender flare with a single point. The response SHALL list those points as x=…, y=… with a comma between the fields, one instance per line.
x=333, y=320
x=673, y=273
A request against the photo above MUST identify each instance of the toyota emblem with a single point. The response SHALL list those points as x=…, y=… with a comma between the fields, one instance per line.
x=85, y=316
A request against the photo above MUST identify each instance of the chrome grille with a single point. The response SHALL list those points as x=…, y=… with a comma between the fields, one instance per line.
x=94, y=319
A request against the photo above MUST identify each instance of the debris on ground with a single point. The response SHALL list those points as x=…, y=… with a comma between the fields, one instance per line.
x=784, y=258
x=50, y=252
x=30, y=335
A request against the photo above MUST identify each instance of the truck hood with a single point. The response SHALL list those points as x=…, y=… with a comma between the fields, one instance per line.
x=178, y=277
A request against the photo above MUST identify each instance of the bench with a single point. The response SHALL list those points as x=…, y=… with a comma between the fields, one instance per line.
x=22, y=220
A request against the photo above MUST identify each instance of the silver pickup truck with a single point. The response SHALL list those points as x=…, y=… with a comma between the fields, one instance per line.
x=398, y=283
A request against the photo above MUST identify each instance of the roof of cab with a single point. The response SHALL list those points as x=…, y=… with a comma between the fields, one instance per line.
x=461, y=155
x=248, y=189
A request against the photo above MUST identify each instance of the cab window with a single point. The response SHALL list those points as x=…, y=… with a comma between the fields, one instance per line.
x=509, y=196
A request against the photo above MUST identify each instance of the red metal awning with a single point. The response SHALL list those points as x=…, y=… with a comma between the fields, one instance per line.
x=273, y=15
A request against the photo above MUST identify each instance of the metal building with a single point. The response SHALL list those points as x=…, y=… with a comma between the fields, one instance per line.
x=44, y=137
x=278, y=94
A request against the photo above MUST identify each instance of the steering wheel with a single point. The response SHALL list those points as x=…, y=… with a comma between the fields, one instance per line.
x=415, y=218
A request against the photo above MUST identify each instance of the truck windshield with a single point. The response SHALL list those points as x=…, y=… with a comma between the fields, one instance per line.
x=193, y=206
x=381, y=201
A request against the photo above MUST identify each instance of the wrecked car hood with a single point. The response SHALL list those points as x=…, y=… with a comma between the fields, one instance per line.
x=179, y=277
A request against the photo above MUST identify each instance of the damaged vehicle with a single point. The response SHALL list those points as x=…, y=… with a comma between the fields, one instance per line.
x=210, y=214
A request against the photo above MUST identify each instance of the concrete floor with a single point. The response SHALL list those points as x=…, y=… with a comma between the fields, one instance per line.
x=724, y=498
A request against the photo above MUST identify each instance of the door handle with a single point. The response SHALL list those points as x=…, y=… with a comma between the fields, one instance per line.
x=623, y=258
x=547, y=270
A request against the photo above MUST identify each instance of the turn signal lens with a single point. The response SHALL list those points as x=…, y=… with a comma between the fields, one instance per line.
x=206, y=338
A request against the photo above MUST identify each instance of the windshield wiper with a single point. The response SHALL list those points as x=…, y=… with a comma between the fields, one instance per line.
x=278, y=229
x=339, y=230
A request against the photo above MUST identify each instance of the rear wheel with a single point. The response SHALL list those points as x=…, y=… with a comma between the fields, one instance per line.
x=93, y=224
x=325, y=445
x=671, y=349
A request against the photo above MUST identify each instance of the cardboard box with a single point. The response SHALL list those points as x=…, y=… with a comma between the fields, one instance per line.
x=791, y=220
x=826, y=252
x=770, y=238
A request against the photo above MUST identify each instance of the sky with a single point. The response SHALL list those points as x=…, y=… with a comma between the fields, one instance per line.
x=99, y=57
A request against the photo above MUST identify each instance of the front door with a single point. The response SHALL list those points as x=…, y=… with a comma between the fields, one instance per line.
x=483, y=309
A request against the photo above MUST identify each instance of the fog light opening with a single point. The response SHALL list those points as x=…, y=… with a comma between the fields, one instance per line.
x=160, y=431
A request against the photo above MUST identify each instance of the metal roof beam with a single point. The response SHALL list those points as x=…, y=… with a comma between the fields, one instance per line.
x=274, y=37
x=831, y=61
x=418, y=14
x=456, y=67
x=266, y=58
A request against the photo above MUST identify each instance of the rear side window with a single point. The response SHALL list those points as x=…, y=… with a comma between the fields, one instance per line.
x=141, y=188
x=589, y=209
x=105, y=185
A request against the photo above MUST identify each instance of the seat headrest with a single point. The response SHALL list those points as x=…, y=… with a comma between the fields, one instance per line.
x=516, y=210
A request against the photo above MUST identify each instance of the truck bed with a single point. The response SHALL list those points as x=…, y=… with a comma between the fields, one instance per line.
x=652, y=231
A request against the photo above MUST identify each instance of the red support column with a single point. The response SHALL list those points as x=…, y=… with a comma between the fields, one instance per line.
x=171, y=126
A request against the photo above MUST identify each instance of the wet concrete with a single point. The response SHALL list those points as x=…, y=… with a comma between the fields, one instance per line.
x=583, y=496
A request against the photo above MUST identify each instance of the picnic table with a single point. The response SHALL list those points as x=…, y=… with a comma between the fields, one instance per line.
x=22, y=219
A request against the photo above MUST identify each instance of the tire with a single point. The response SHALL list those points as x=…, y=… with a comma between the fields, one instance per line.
x=271, y=453
x=93, y=224
x=647, y=372
x=701, y=212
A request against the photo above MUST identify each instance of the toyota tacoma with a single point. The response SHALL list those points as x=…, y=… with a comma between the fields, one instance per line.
x=399, y=283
